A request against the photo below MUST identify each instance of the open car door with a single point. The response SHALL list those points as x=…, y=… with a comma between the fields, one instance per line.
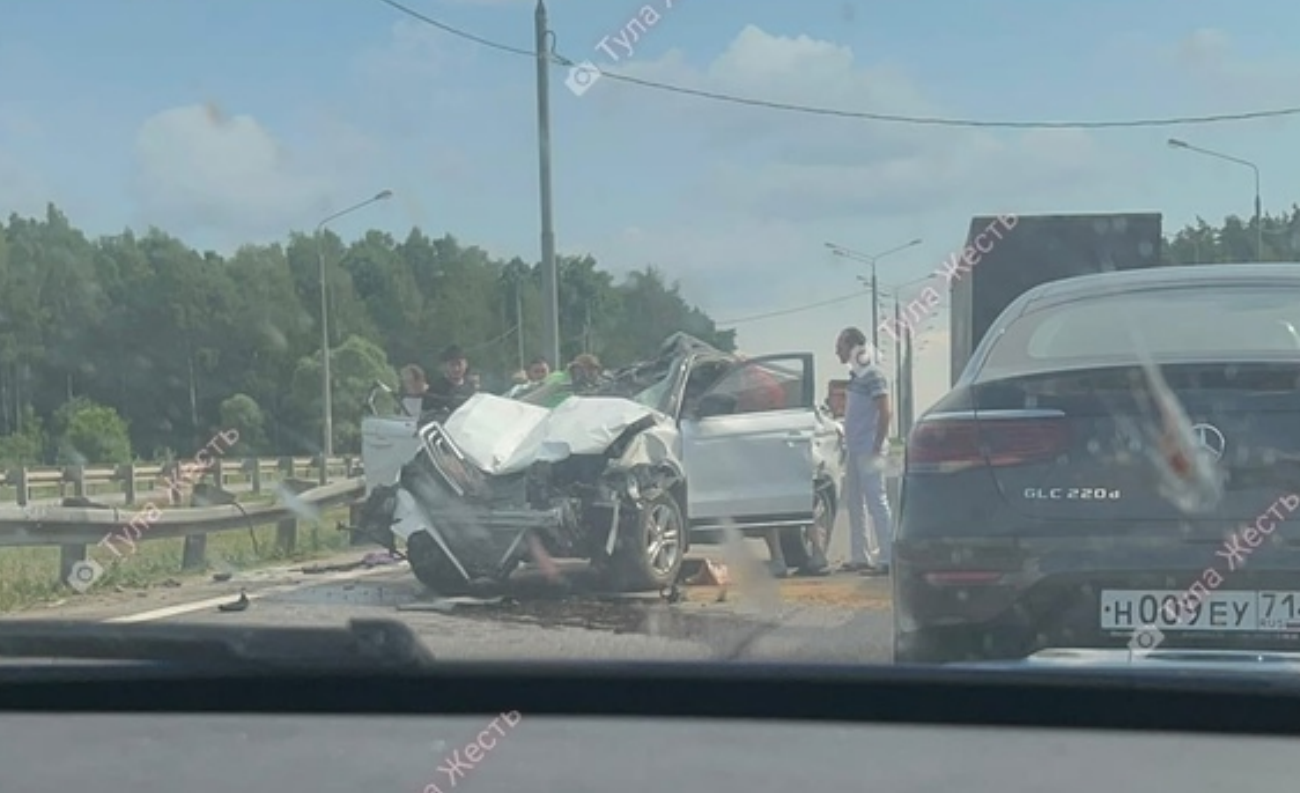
x=747, y=444
x=387, y=444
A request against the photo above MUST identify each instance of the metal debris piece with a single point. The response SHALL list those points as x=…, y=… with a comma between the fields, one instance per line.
x=238, y=605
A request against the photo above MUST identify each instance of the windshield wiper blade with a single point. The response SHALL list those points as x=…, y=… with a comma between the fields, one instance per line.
x=362, y=644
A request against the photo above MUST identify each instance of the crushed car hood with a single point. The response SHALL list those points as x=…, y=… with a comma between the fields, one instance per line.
x=504, y=436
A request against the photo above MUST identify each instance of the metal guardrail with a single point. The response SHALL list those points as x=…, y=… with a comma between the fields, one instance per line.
x=33, y=520
x=33, y=485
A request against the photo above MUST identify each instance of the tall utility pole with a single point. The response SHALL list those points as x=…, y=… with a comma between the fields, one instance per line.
x=519, y=319
x=550, y=279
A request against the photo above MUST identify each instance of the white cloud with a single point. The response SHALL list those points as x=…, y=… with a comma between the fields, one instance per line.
x=799, y=167
x=777, y=185
x=197, y=170
x=417, y=51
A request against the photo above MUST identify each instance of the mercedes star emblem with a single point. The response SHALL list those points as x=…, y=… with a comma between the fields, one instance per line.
x=1209, y=438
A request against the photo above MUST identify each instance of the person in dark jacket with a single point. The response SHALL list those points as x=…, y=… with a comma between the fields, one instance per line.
x=455, y=386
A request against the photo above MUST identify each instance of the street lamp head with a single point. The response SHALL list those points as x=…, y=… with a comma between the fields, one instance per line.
x=384, y=195
x=916, y=241
x=1175, y=143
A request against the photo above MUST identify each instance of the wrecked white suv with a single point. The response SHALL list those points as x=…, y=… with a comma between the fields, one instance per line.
x=683, y=446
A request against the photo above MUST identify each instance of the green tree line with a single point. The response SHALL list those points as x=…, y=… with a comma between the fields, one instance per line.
x=1235, y=241
x=138, y=347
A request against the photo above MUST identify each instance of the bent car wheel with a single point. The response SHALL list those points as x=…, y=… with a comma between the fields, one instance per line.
x=795, y=543
x=432, y=567
x=649, y=553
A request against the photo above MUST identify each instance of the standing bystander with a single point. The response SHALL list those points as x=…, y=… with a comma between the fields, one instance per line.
x=538, y=370
x=866, y=428
x=416, y=398
x=455, y=387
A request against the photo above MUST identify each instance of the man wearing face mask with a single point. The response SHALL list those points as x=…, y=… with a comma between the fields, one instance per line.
x=454, y=387
x=867, y=414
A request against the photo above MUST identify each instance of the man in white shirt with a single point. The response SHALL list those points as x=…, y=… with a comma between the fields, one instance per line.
x=867, y=415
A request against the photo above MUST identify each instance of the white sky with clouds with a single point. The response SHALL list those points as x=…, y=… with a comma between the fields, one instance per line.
x=232, y=122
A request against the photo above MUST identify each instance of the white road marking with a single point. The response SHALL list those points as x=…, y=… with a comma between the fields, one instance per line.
x=212, y=603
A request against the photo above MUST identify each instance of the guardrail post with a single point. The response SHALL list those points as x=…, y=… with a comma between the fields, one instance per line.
x=172, y=475
x=324, y=469
x=127, y=475
x=254, y=468
x=194, y=554
x=24, y=491
x=77, y=474
x=218, y=473
x=286, y=536
x=195, y=551
x=354, y=520
x=285, y=467
x=69, y=555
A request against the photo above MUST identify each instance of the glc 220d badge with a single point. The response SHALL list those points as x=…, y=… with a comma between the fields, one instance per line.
x=1071, y=494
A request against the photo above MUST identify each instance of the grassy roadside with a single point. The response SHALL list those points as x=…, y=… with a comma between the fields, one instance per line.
x=28, y=576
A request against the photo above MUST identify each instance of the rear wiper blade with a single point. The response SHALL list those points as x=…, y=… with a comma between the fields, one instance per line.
x=362, y=644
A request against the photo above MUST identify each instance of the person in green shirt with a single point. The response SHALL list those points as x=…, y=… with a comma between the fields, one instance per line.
x=583, y=375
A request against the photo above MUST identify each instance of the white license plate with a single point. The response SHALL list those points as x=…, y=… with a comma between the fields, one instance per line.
x=1259, y=612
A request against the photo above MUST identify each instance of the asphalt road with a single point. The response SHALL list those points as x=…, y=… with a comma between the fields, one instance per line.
x=842, y=618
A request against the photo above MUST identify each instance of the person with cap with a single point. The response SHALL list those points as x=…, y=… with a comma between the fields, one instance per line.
x=585, y=373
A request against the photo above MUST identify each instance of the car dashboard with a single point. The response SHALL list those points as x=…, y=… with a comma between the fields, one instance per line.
x=151, y=753
x=433, y=727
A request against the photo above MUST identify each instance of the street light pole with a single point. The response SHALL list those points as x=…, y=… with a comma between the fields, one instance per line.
x=849, y=253
x=905, y=410
x=327, y=448
x=1175, y=143
x=898, y=367
x=875, y=307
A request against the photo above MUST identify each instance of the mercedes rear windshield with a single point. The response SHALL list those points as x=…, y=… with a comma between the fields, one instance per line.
x=1252, y=322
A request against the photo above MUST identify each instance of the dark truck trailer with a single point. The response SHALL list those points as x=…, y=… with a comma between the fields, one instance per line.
x=1035, y=250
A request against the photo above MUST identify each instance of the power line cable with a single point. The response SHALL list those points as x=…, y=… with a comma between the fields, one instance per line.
x=796, y=309
x=445, y=28
x=933, y=121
